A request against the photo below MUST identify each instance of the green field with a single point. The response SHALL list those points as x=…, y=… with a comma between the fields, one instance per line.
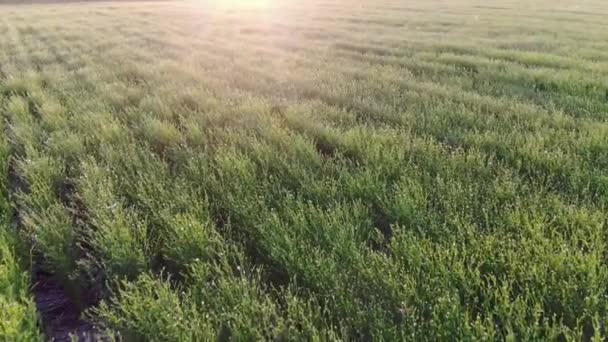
x=291, y=170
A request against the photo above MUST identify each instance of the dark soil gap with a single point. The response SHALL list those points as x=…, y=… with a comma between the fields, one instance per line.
x=58, y=311
x=383, y=223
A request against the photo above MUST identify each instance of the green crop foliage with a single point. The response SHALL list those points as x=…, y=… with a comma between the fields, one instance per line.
x=18, y=317
x=331, y=170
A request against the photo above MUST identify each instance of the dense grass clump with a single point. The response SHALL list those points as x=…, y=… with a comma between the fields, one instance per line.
x=18, y=318
x=292, y=170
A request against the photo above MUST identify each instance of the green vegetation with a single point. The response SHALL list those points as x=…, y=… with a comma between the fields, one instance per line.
x=18, y=319
x=308, y=170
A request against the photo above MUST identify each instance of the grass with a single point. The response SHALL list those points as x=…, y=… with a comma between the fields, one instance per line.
x=291, y=170
x=18, y=317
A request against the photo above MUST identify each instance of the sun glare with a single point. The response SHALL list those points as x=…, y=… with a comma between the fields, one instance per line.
x=241, y=4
